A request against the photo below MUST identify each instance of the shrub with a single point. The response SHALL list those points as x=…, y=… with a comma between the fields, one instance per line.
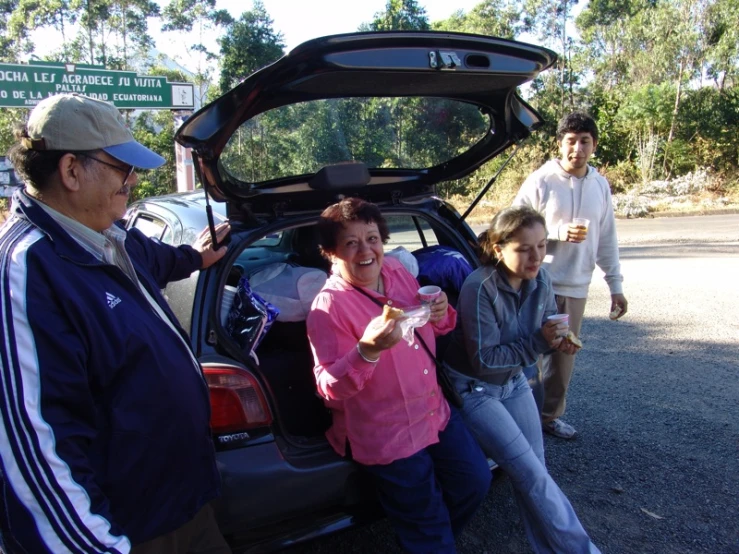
x=694, y=182
x=621, y=176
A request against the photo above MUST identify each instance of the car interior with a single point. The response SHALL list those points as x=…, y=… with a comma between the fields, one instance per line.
x=284, y=356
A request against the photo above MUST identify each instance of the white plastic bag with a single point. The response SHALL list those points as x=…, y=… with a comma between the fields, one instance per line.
x=406, y=258
x=414, y=317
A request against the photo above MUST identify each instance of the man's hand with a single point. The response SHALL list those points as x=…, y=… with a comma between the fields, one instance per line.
x=576, y=233
x=204, y=244
x=618, y=302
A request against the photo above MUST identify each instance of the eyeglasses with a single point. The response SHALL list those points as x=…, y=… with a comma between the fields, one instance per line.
x=126, y=170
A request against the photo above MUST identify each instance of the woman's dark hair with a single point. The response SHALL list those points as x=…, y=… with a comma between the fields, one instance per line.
x=35, y=167
x=577, y=122
x=335, y=217
x=504, y=226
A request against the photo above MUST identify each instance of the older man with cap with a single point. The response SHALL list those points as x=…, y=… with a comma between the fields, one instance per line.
x=105, y=443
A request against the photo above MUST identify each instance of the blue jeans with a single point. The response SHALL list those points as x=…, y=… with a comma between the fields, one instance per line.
x=505, y=421
x=430, y=495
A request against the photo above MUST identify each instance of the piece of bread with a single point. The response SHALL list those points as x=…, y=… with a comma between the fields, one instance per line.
x=389, y=313
x=570, y=336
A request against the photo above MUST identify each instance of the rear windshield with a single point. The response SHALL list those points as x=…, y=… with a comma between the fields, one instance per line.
x=413, y=133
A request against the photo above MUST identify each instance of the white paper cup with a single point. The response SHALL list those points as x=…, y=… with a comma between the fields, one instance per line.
x=229, y=293
x=581, y=222
x=561, y=318
x=429, y=293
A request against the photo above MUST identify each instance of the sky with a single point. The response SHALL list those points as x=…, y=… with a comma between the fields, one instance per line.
x=301, y=20
x=297, y=20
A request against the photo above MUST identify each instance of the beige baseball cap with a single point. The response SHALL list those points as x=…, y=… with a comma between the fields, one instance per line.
x=76, y=123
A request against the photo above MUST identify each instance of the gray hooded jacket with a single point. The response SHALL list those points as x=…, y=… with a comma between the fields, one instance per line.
x=498, y=330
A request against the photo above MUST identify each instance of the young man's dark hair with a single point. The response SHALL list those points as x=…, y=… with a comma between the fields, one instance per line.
x=577, y=122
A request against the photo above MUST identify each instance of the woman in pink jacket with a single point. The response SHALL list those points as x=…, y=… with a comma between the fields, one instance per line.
x=389, y=413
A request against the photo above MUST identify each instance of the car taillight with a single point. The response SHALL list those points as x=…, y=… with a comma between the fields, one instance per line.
x=237, y=401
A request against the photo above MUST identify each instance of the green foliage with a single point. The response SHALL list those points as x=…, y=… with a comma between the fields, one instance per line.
x=659, y=77
x=382, y=132
x=722, y=36
x=399, y=15
x=14, y=41
x=644, y=116
x=249, y=44
x=201, y=21
x=709, y=123
x=621, y=176
x=155, y=130
x=9, y=120
x=499, y=18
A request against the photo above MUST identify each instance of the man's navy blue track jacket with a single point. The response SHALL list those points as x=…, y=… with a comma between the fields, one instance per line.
x=104, y=411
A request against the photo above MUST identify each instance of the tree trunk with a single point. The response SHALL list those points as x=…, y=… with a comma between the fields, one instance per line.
x=124, y=31
x=64, y=37
x=102, y=45
x=89, y=34
x=565, y=57
x=675, y=111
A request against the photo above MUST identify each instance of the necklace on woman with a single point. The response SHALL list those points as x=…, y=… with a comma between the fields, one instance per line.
x=379, y=285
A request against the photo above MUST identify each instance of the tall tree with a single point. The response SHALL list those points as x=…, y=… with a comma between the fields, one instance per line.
x=249, y=44
x=498, y=18
x=129, y=21
x=202, y=21
x=13, y=32
x=399, y=15
x=90, y=44
x=549, y=20
x=722, y=35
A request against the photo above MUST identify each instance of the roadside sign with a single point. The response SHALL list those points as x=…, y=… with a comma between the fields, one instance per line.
x=24, y=85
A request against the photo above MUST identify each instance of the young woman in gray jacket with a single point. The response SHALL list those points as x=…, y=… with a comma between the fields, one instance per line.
x=502, y=328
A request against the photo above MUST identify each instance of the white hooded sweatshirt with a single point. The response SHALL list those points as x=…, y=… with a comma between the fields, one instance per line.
x=560, y=197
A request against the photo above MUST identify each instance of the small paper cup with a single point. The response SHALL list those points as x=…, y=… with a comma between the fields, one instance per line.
x=429, y=293
x=581, y=222
x=229, y=293
x=561, y=318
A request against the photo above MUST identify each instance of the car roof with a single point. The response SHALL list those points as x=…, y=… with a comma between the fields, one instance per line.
x=187, y=207
x=478, y=70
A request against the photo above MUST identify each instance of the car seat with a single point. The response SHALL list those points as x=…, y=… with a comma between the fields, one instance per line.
x=305, y=244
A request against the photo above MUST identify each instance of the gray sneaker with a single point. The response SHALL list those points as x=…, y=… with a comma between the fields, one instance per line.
x=560, y=429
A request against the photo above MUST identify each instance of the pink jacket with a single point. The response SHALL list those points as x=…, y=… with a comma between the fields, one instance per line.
x=388, y=410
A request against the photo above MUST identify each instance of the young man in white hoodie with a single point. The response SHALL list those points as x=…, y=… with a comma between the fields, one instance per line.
x=562, y=190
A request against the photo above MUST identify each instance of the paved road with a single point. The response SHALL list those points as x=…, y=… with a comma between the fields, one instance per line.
x=707, y=228
x=672, y=230
x=656, y=399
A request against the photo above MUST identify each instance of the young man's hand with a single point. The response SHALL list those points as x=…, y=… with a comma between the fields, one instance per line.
x=619, y=305
x=576, y=233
